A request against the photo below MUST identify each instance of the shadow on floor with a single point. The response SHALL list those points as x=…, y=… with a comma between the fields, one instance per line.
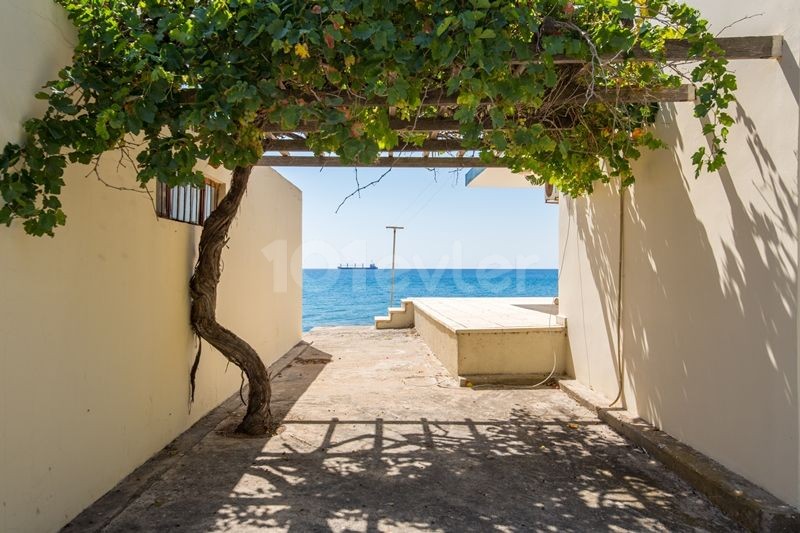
x=548, y=466
x=223, y=420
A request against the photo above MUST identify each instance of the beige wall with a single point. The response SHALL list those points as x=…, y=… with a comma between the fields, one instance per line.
x=95, y=347
x=710, y=284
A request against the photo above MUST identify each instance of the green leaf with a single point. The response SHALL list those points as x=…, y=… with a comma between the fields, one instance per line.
x=446, y=23
x=498, y=140
x=627, y=10
x=54, y=167
x=363, y=31
x=498, y=117
x=148, y=42
x=277, y=29
x=290, y=116
x=145, y=111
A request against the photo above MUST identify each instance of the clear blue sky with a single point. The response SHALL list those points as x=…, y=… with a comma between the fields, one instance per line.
x=447, y=224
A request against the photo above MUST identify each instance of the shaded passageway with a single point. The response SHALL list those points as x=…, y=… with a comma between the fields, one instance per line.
x=377, y=437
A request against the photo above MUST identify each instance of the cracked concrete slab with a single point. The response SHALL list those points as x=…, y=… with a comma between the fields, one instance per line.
x=376, y=436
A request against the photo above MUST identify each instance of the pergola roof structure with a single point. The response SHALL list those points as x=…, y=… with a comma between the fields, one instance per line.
x=287, y=147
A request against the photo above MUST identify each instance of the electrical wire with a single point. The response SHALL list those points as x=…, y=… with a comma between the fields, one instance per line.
x=519, y=387
x=620, y=360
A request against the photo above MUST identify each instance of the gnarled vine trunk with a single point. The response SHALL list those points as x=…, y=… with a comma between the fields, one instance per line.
x=203, y=286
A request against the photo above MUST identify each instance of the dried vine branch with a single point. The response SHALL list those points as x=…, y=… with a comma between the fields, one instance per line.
x=362, y=187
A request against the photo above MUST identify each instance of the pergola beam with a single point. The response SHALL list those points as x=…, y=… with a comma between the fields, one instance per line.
x=735, y=48
x=419, y=125
x=683, y=93
x=428, y=145
x=394, y=162
x=625, y=95
x=757, y=47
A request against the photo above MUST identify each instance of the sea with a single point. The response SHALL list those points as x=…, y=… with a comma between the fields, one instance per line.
x=335, y=297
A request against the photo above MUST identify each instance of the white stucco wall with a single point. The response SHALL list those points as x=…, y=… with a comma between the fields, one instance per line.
x=710, y=284
x=95, y=346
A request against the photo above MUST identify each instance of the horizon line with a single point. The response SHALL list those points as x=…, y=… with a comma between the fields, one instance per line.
x=432, y=268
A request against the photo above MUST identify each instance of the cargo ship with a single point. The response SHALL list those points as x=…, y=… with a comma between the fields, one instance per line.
x=354, y=266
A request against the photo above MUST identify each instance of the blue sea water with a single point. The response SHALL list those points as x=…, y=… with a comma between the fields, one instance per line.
x=333, y=297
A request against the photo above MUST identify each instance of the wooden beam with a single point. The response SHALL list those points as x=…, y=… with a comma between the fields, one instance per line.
x=753, y=47
x=634, y=95
x=683, y=93
x=758, y=47
x=428, y=145
x=419, y=125
x=395, y=162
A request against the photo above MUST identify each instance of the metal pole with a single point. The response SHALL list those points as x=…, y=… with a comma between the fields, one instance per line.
x=394, y=253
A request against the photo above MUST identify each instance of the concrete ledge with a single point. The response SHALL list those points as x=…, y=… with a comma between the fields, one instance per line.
x=491, y=315
x=505, y=379
x=750, y=505
x=526, y=352
x=506, y=356
x=98, y=515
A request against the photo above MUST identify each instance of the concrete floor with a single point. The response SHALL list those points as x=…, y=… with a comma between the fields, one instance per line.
x=380, y=439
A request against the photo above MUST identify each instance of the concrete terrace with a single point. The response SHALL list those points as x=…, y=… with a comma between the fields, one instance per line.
x=376, y=435
x=488, y=340
x=492, y=314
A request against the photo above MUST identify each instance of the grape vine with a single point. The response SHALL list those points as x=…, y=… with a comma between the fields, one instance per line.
x=175, y=82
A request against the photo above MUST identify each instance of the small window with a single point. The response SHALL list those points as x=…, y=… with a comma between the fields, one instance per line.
x=188, y=203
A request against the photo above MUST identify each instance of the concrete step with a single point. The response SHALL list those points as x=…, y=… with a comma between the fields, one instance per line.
x=398, y=318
